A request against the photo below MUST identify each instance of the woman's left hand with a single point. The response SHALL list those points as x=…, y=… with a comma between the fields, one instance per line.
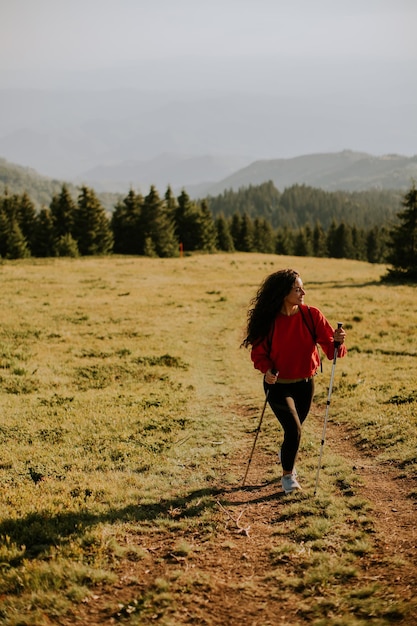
x=339, y=335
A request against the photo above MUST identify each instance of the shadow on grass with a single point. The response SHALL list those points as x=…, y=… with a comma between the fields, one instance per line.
x=249, y=490
x=38, y=532
x=260, y=499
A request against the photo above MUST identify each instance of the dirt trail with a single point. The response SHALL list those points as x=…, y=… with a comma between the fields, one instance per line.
x=394, y=514
x=226, y=575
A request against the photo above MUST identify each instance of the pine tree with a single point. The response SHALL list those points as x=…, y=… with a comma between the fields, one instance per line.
x=284, y=241
x=345, y=249
x=170, y=202
x=359, y=243
x=403, y=240
x=92, y=230
x=319, y=241
x=13, y=243
x=303, y=245
x=63, y=209
x=263, y=236
x=187, y=222
x=17, y=247
x=125, y=224
x=157, y=229
x=235, y=230
x=149, y=247
x=43, y=240
x=9, y=206
x=376, y=245
x=165, y=241
x=224, y=238
x=246, y=234
x=207, y=235
x=67, y=246
x=4, y=230
x=332, y=241
x=26, y=218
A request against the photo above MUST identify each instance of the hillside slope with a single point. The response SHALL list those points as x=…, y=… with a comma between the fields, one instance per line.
x=345, y=171
x=18, y=179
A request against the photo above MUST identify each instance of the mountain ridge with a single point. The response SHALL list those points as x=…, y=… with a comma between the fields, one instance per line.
x=341, y=171
x=178, y=171
x=67, y=133
x=346, y=170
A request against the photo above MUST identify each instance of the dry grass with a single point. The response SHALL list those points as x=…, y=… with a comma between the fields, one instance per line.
x=120, y=380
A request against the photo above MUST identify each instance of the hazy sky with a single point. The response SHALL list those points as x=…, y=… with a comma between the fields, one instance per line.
x=97, y=34
x=345, y=69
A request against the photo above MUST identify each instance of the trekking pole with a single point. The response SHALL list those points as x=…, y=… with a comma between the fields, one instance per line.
x=257, y=433
x=329, y=395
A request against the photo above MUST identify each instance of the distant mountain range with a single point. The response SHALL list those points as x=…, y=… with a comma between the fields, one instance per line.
x=344, y=171
x=208, y=140
x=199, y=173
x=209, y=175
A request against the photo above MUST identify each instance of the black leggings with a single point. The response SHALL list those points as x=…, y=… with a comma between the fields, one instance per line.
x=290, y=403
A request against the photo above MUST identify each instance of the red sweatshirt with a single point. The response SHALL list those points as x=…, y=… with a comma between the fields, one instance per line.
x=290, y=347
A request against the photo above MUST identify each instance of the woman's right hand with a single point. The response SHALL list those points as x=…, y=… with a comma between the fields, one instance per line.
x=271, y=377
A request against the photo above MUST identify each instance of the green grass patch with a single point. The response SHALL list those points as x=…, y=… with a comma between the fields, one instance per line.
x=121, y=415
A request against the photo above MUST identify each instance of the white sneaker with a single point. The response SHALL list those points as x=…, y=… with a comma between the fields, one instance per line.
x=290, y=483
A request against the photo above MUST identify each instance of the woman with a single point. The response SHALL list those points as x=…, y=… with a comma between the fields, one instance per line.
x=283, y=334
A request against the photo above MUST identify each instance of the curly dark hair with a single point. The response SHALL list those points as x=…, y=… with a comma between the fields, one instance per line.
x=267, y=303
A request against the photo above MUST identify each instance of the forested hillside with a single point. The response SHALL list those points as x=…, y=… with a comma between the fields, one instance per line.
x=293, y=206
x=346, y=170
x=166, y=226
x=18, y=179
x=299, y=220
x=299, y=205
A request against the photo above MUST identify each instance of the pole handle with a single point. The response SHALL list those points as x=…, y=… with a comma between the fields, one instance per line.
x=336, y=343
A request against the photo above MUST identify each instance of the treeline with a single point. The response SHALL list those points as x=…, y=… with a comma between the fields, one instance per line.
x=300, y=204
x=19, y=179
x=155, y=225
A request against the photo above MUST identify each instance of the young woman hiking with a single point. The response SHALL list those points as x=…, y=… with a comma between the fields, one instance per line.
x=283, y=334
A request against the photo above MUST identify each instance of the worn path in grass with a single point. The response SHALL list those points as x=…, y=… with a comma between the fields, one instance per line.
x=394, y=515
x=224, y=580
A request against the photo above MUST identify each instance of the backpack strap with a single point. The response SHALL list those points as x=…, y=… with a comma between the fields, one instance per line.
x=312, y=331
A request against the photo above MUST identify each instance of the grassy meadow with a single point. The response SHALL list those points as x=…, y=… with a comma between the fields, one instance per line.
x=124, y=398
